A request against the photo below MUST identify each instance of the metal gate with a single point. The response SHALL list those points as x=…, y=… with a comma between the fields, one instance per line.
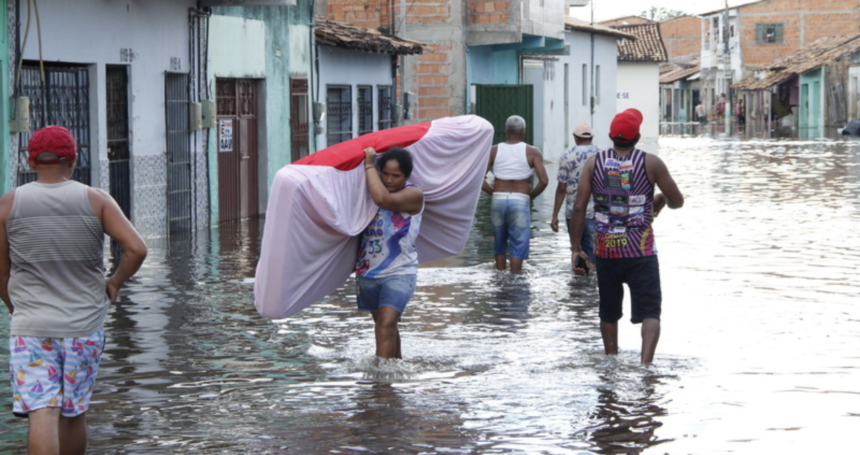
x=299, y=119
x=62, y=99
x=116, y=87
x=178, y=152
x=498, y=102
x=237, y=149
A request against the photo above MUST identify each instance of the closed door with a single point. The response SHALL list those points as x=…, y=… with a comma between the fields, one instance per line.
x=237, y=149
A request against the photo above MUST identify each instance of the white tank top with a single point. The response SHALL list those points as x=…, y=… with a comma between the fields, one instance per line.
x=511, y=162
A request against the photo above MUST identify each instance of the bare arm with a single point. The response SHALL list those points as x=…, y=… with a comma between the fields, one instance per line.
x=583, y=193
x=5, y=262
x=536, y=161
x=658, y=174
x=485, y=187
x=120, y=229
x=560, y=194
x=409, y=200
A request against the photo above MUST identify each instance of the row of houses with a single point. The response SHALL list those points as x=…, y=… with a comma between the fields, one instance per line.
x=786, y=65
x=185, y=109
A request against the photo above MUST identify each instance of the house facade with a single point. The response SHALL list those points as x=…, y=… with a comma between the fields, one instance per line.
x=147, y=93
x=736, y=41
x=638, y=81
x=357, y=81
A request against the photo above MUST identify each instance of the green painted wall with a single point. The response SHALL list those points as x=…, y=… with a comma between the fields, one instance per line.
x=288, y=51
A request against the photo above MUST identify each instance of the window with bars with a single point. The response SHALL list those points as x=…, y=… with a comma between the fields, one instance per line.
x=386, y=115
x=339, y=114
x=365, y=109
x=769, y=33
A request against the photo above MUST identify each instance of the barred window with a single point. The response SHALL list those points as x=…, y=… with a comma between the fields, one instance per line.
x=385, y=107
x=768, y=33
x=339, y=114
x=365, y=109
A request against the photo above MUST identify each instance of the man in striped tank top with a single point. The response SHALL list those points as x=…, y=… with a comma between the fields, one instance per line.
x=52, y=279
x=621, y=181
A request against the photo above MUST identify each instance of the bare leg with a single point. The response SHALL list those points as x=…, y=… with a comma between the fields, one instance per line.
x=73, y=435
x=501, y=262
x=650, y=337
x=516, y=265
x=43, y=438
x=387, y=333
x=609, y=332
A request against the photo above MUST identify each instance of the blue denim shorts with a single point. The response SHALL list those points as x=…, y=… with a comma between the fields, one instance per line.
x=587, y=240
x=512, y=219
x=393, y=291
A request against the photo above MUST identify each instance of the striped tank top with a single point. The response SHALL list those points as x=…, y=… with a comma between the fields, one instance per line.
x=57, y=279
x=623, y=197
x=388, y=244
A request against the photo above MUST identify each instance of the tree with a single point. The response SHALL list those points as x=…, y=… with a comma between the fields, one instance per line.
x=659, y=13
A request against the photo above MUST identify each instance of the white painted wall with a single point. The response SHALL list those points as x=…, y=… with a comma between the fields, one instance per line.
x=557, y=127
x=353, y=68
x=93, y=32
x=639, y=87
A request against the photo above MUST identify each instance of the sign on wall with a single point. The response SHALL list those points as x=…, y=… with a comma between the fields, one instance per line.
x=225, y=135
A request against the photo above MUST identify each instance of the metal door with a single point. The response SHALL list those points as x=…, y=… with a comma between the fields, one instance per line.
x=62, y=98
x=498, y=102
x=117, y=136
x=177, y=104
x=237, y=149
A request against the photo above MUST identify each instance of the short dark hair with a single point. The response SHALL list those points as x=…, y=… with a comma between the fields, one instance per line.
x=401, y=155
x=625, y=144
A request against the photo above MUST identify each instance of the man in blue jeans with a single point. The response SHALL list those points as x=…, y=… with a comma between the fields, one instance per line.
x=569, y=171
x=513, y=163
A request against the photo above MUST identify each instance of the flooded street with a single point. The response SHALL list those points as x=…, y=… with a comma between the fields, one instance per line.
x=758, y=354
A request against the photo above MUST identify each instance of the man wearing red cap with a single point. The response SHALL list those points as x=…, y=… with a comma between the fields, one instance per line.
x=621, y=181
x=52, y=279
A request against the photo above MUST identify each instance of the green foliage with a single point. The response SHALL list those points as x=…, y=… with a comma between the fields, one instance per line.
x=659, y=13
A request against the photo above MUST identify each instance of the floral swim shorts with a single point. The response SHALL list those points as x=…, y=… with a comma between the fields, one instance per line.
x=54, y=372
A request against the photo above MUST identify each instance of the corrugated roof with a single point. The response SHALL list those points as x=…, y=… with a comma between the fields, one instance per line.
x=648, y=46
x=819, y=53
x=573, y=23
x=348, y=36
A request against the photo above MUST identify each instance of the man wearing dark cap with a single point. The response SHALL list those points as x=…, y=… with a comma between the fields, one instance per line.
x=621, y=181
x=569, y=171
x=52, y=279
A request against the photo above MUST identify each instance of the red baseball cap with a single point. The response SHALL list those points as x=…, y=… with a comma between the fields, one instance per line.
x=54, y=139
x=625, y=126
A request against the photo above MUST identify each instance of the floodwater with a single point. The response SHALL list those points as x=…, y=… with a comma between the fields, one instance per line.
x=759, y=351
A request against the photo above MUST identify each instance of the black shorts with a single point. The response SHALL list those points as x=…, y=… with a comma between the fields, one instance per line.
x=642, y=275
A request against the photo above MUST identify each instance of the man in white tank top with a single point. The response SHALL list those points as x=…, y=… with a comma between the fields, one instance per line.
x=52, y=279
x=513, y=163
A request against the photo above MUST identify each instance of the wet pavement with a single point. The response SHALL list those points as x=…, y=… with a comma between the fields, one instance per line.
x=758, y=352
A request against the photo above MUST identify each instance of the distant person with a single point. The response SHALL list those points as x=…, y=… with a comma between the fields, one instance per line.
x=569, y=171
x=701, y=116
x=621, y=181
x=52, y=279
x=386, y=269
x=720, y=112
x=513, y=162
x=739, y=110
